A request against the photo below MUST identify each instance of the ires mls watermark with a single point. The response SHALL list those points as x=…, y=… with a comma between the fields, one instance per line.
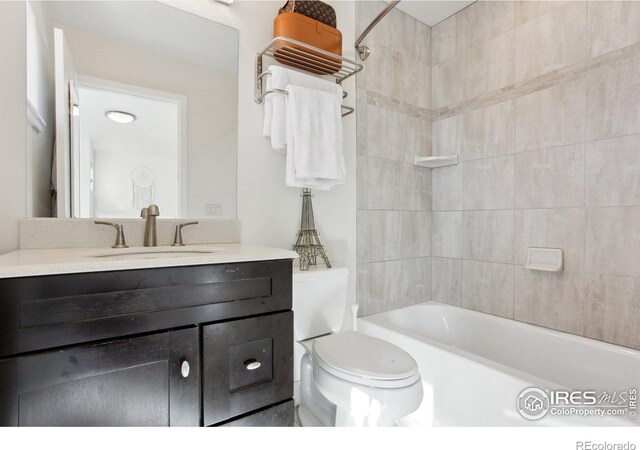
x=535, y=403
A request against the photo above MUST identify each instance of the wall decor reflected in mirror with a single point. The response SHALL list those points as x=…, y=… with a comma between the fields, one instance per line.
x=130, y=103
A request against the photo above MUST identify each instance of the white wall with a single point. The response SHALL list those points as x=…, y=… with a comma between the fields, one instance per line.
x=270, y=211
x=13, y=111
x=40, y=94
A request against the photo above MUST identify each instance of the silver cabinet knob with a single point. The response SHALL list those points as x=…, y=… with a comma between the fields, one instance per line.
x=185, y=369
x=252, y=364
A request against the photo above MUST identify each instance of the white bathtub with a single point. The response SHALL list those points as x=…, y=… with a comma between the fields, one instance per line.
x=475, y=365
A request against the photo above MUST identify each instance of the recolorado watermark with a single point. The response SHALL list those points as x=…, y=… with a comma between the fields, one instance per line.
x=588, y=445
x=535, y=403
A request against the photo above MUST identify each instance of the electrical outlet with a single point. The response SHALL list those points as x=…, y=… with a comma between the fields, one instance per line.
x=212, y=210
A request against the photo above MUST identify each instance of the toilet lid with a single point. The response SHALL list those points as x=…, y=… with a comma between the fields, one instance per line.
x=365, y=360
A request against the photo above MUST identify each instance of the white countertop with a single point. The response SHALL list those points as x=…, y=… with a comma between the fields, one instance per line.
x=24, y=263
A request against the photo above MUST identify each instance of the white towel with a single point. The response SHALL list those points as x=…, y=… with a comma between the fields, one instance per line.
x=315, y=157
x=275, y=111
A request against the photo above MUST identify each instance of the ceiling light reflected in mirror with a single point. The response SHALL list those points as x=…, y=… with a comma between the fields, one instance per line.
x=120, y=116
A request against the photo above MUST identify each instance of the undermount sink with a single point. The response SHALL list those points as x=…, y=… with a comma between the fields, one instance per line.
x=150, y=254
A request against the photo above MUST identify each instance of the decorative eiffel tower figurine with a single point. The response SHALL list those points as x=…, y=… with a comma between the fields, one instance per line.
x=308, y=244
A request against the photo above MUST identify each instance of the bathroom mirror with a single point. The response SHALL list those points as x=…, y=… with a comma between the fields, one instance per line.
x=130, y=103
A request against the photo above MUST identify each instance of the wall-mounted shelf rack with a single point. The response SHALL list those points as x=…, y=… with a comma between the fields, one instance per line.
x=433, y=162
x=307, y=58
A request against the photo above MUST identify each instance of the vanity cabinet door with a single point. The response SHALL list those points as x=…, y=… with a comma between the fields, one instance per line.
x=247, y=365
x=141, y=381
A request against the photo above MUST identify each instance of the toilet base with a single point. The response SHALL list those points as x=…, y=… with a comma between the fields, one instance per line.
x=330, y=402
x=314, y=410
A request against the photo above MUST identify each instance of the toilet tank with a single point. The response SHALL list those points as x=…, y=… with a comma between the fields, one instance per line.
x=319, y=300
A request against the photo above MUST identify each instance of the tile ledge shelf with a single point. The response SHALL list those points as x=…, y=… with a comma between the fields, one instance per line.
x=433, y=162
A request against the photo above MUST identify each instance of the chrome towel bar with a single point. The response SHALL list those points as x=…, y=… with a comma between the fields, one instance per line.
x=346, y=110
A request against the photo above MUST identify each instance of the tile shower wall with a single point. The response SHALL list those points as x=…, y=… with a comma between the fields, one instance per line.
x=541, y=100
x=393, y=196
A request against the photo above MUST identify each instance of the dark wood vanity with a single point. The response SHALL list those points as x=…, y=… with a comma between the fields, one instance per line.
x=180, y=346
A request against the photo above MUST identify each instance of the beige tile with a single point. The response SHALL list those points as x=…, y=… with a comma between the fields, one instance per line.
x=415, y=38
x=422, y=44
x=446, y=280
x=529, y=10
x=414, y=82
x=391, y=134
x=361, y=123
x=488, y=183
x=488, y=287
x=409, y=41
x=383, y=286
x=483, y=21
x=551, y=178
x=447, y=188
x=552, y=117
x=422, y=88
x=447, y=234
x=550, y=42
x=488, y=235
x=551, y=300
x=444, y=40
x=551, y=228
x=415, y=283
x=416, y=139
x=389, y=32
x=613, y=95
x=489, y=67
x=364, y=13
x=487, y=131
x=362, y=288
x=384, y=133
x=377, y=183
x=612, y=25
x=613, y=172
x=445, y=138
x=379, y=78
x=415, y=234
x=613, y=241
x=361, y=84
x=378, y=235
x=398, y=21
x=415, y=188
x=612, y=308
x=446, y=82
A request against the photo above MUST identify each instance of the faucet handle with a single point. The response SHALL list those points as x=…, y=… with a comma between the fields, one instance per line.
x=120, y=243
x=177, y=239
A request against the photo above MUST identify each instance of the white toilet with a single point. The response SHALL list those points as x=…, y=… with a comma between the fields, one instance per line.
x=344, y=378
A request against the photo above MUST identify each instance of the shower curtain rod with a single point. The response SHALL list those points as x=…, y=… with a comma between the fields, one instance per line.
x=363, y=50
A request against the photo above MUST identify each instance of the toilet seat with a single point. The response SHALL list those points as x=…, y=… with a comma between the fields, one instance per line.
x=365, y=360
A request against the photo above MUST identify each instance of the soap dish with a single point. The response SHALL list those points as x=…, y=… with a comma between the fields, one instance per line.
x=545, y=259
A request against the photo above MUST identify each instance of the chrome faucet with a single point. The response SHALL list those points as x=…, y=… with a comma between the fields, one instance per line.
x=149, y=214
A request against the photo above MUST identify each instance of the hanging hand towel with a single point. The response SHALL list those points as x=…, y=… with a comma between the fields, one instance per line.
x=274, y=109
x=315, y=157
x=275, y=105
